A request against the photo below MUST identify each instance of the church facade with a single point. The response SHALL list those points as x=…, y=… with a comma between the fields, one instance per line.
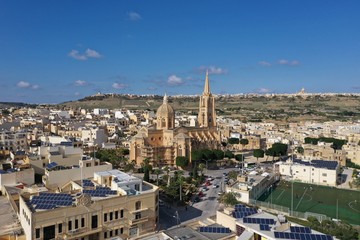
x=162, y=143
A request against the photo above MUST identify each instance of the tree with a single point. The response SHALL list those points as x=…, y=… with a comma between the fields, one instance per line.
x=146, y=168
x=197, y=155
x=229, y=199
x=239, y=157
x=182, y=161
x=233, y=141
x=5, y=112
x=270, y=152
x=258, y=153
x=229, y=154
x=232, y=175
x=280, y=149
x=195, y=173
x=219, y=154
x=157, y=172
x=201, y=168
x=300, y=150
x=244, y=142
x=208, y=154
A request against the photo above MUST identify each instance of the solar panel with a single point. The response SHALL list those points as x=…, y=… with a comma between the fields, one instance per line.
x=264, y=227
x=215, y=229
x=297, y=229
x=302, y=236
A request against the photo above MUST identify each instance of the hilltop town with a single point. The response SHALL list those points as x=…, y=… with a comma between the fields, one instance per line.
x=77, y=171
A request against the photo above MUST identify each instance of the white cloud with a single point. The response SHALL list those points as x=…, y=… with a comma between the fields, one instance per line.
x=264, y=90
x=80, y=83
x=77, y=94
x=89, y=53
x=283, y=62
x=213, y=69
x=23, y=84
x=294, y=63
x=119, y=85
x=265, y=64
x=76, y=55
x=134, y=16
x=174, y=80
x=288, y=62
x=92, y=53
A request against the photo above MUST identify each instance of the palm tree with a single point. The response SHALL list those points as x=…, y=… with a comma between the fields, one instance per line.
x=180, y=179
x=157, y=172
x=167, y=170
x=201, y=168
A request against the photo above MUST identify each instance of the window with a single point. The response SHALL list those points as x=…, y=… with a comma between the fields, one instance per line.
x=105, y=234
x=121, y=230
x=60, y=227
x=116, y=232
x=138, y=215
x=76, y=223
x=82, y=222
x=111, y=217
x=137, y=187
x=121, y=213
x=324, y=174
x=94, y=221
x=304, y=170
x=111, y=233
x=70, y=225
x=116, y=214
x=138, y=205
x=37, y=233
x=105, y=217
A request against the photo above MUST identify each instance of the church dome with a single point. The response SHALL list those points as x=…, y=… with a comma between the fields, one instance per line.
x=165, y=110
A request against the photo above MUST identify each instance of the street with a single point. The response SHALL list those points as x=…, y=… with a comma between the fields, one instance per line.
x=207, y=207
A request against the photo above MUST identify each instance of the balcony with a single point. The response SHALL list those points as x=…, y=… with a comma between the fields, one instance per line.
x=139, y=220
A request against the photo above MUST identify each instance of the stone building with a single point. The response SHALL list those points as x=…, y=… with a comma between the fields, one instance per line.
x=163, y=142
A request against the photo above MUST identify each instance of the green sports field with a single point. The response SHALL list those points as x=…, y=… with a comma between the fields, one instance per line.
x=317, y=199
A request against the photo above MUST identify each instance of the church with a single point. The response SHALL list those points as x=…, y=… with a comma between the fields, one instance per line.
x=162, y=143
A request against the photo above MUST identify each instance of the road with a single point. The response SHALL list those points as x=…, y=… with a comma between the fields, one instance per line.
x=207, y=207
x=346, y=178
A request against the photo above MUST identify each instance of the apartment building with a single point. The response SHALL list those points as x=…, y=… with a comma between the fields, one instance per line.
x=114, y=204
x=252, y=186
x=315, y=171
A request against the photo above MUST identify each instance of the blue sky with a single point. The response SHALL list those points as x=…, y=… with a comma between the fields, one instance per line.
x=54, y=51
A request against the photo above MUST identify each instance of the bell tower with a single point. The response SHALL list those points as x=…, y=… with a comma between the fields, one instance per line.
x=207, y=114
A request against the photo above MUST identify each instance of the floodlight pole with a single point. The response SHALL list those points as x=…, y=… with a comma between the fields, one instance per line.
x=292, y=198
x=337, y=208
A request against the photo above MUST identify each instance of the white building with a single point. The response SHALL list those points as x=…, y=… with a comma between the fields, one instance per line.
x=315, y=171
x=93, y=136
x=251, y=186
x=57, y=175
x=250, y=224
x=92, y=209
x=14, y=177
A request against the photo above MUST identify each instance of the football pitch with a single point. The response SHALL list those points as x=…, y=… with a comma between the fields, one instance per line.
x=330, y=201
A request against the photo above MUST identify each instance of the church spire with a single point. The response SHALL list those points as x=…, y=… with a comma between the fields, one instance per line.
x=207, y=84
x=165, y=99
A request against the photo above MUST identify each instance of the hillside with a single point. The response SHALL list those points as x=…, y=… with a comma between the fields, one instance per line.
x=250, y=108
